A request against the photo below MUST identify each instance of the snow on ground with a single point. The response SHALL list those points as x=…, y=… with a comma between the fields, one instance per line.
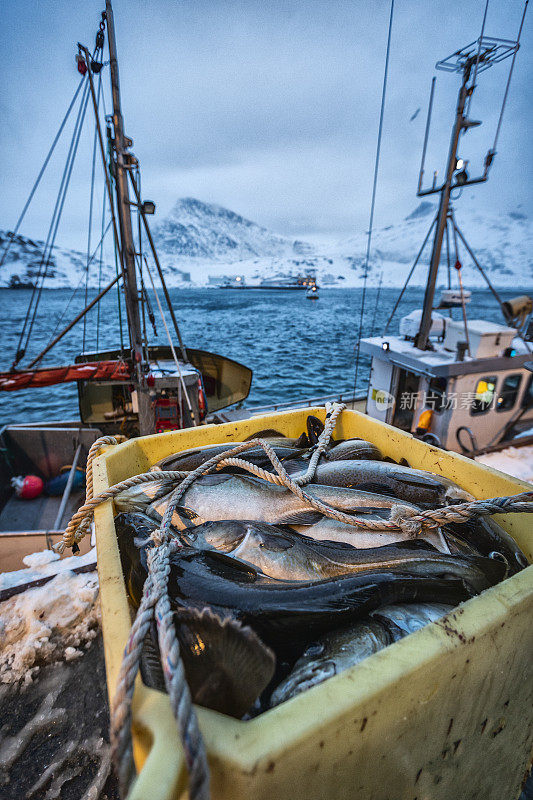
x=516, y=461
x=50, y=623
x=43, y=563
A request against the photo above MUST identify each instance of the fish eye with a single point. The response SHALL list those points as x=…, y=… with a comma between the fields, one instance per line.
x=496, y=556
x=315, y=649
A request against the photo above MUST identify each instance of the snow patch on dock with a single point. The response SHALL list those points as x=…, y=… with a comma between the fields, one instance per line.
x=43, y=563
x=515, y=461
x=47, y=624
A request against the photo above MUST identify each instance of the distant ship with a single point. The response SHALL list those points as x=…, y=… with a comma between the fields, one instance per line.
x=16, y=283
x=278, y=282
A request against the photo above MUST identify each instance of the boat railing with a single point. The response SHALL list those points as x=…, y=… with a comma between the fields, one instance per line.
x=345, y=397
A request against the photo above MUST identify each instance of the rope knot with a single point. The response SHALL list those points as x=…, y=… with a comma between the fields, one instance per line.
x=408, y=520
x=158, y=537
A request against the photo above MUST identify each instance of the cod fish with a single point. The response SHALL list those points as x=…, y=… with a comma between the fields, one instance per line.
x=336, y=651
x=287, y=555
x=189, y=460
x=404, y=483
x=226, y=664
x=410, y=617
x=280, y=612
x=320, y=527
x=352, y=449
x=486, y=537
x=220, y=496
x=139, y=497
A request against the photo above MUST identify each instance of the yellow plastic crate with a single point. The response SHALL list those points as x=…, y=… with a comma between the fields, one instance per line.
x=444, y=714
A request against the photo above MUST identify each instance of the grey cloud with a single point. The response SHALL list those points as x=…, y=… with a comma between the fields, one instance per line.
x=268, y=108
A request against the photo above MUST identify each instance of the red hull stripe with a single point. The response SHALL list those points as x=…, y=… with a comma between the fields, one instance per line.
x=92, y=371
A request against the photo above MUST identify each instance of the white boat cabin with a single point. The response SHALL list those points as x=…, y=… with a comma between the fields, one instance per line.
x=468, y=392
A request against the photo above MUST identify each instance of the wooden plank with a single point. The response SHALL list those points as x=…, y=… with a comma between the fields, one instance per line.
x=11, y=591
x=14, y=545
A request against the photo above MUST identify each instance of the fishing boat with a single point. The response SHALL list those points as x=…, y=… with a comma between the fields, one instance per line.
x=312, y=293
x=133, y=388
x=295, y=282
x=462, y=384
x=16, y=283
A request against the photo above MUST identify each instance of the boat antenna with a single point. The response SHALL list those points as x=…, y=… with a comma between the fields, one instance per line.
x=373, y=201
x=476, y=57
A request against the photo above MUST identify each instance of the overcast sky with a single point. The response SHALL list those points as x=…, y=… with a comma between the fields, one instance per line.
x=268, y=108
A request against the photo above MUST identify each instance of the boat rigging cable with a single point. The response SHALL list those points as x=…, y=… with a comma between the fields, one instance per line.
x=31, y=312
x=23, y=338
x=409, y=276
x=158, y=267
x=119, y=274
x=373, y=201
x=172, y=349
x=14, y=232
x=100, y=265
x=56, y=218
x=75, y=291
x=91, y=199
x=108, y=167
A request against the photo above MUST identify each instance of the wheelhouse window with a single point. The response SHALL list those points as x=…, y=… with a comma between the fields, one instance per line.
x=509, y=392
x=436, y=397
x=483, y=395
x=527, y=400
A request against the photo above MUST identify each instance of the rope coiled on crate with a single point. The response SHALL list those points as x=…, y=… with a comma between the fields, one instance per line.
x=155, y=602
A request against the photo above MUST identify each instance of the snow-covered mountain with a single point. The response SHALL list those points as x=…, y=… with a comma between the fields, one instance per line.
x=206, y=231
x=200, y=243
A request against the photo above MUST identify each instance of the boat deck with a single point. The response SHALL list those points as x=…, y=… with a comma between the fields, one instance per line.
x=38, y=514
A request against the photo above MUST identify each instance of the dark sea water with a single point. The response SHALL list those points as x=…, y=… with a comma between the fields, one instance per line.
x=296, y=347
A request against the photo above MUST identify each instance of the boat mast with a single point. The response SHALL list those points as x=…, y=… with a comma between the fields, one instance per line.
x=469, y=61
x=122, y=163
x=422, y=337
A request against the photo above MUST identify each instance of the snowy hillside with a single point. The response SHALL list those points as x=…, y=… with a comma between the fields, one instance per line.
x=25, y=256
x=66, y=268
x=502, y=244
x=200, y=244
